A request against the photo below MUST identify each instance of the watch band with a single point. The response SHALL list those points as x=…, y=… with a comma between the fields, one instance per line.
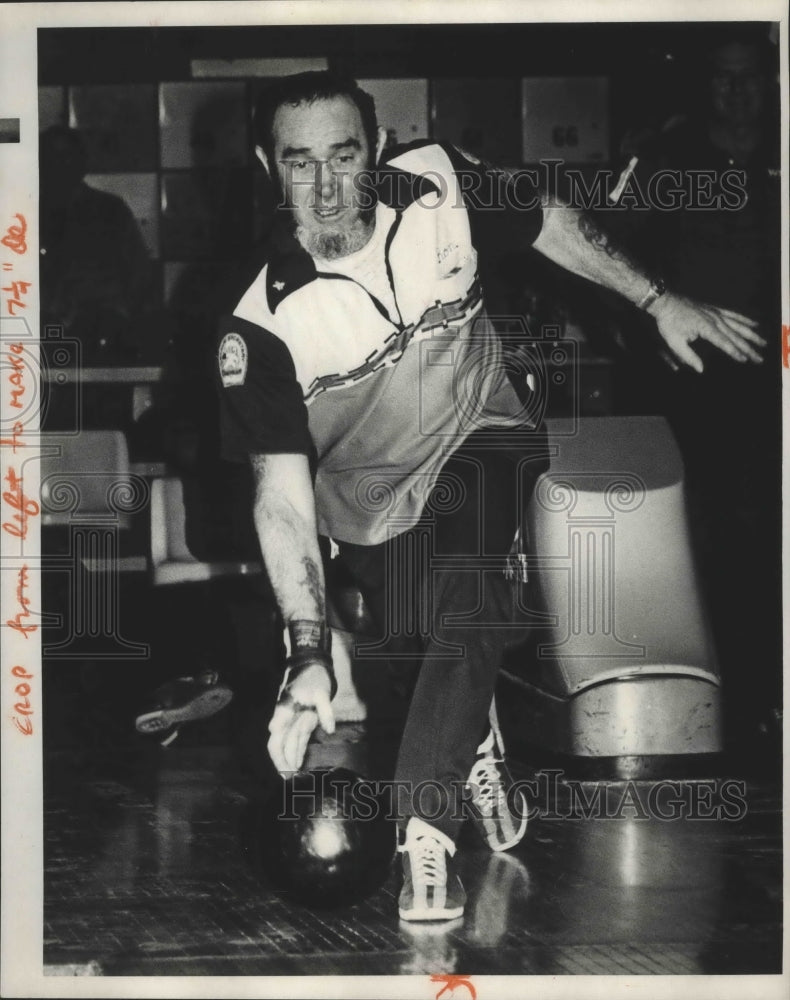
x=656, y=290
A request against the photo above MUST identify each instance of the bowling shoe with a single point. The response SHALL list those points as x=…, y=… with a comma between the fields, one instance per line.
x=498, y=808
x=431, y=888
x=185, y=699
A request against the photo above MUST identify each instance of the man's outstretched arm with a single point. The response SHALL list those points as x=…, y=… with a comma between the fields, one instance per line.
x=286, y=525
x=574, y=241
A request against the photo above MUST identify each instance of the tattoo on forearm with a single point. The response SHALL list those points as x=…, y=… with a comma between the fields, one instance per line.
x=597, y=238
x=288, y=542
x=312, y=581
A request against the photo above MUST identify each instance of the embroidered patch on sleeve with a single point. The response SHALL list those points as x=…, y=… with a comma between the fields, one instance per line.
x=232, y=360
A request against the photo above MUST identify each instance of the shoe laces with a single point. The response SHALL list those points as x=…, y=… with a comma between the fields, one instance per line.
x=487, y=785
x=427, y=860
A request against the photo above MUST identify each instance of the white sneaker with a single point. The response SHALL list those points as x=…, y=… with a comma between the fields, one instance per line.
x=431, y=888
x=498, y=808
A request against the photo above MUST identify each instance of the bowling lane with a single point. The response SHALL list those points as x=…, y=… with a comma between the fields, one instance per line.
x=145, y=875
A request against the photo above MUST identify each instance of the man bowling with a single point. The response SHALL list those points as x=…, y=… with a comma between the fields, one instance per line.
x=362, y=379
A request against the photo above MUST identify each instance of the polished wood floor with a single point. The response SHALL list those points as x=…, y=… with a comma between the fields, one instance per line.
x=145, y=872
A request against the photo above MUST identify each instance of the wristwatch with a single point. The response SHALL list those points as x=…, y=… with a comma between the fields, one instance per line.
x=656, y=290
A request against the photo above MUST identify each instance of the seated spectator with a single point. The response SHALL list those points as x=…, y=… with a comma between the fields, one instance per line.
x=94, y=264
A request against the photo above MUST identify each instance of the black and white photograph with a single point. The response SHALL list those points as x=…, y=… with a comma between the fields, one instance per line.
x=392, y=528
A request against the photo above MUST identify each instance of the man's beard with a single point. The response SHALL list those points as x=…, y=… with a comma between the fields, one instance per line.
x=331, y=244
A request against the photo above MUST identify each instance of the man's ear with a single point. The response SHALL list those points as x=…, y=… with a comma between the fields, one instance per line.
x=263, y=158
x=381, y=138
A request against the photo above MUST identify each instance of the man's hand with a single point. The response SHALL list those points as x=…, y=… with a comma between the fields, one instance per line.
x=574, y=240
x=305, y=703
x=306, y=695
x=681, y=322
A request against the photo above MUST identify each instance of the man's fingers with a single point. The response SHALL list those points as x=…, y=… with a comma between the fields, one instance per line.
x=305, y=729
x=688, y=356
x=738, y=317
x=734, y=345
x=326, y=716
x=729, y=331
x=277, y=728
x=750, y=334
x=297, y=737
x=709, y=329
x=750, y=353
x=274, y=746
x=290, y=733
x=742, y=339
x=292, y=725
x=279, y=719
x=740, y=331
x=280, y=726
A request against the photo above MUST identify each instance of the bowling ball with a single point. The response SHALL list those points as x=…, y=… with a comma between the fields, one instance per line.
x=323, y=837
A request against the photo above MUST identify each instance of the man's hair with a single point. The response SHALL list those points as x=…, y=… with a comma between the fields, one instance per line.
x=305, y=88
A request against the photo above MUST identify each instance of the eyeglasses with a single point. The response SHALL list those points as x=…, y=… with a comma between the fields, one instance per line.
x=339, y=163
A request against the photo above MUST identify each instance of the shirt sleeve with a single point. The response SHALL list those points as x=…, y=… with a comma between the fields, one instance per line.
x=503, y=205
x=262, y=409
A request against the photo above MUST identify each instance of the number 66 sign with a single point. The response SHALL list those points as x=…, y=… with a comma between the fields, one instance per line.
x=565, y=118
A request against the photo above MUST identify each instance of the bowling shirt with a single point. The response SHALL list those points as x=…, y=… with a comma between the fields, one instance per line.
x=378, y=389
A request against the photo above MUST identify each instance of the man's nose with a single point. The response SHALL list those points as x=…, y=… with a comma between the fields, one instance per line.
x=326, y=180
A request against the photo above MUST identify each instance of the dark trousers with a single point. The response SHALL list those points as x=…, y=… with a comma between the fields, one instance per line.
x=439, y=595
